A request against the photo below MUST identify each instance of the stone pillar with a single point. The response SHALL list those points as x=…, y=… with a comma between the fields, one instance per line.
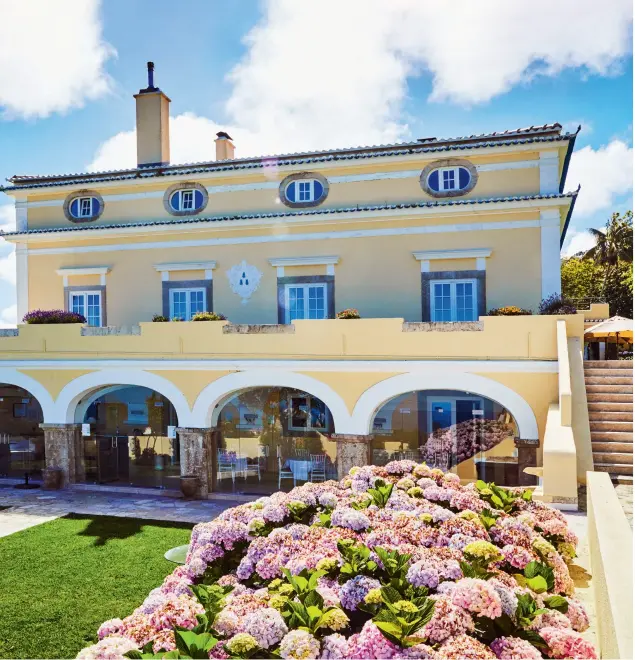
x=352, y=450
x=197, y=452
x=64, y=448
x=527, y=457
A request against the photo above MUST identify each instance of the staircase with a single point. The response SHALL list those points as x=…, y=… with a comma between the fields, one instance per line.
x=609, y=388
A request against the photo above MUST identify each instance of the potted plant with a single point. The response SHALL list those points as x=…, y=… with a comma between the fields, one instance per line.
x=348, y=314
x=190, y=484
x=509, y=310
x=555, y=305
x=159, y=318
x=45, y=316
x=208, y=316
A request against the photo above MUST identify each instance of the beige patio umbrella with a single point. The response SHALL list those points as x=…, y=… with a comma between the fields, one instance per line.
x=617, y=326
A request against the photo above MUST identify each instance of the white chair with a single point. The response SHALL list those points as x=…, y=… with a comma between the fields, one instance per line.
x=284, y=474
x=409, y=455
x=318, y=467
x=302, y=453
x=226, y=464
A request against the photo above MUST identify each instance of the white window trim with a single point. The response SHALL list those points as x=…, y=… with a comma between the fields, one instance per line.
x=79, y=207
x=180, y=193
x=328, y=261
x=102, y=271
x=426, y=256
x=307, y=398
x=187, y=291
x=166, y=269
x=457, y=182
x=453, y=308
x=85, y=295
x=311, y=184
x=306, y=286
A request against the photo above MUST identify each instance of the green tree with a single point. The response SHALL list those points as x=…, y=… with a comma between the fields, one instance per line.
x=613, y=246
x=581, y=278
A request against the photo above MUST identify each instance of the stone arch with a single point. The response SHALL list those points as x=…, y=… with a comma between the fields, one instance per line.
x=210, y=401
x=377, y=395
x=69, y=402
x=35, y=388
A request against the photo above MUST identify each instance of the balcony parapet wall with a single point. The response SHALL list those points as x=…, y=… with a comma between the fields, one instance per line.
x=493, y=338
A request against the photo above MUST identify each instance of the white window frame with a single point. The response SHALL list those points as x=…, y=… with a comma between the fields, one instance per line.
x=307, y=399
x=80, y=201
x=453, y=306
x=457, y=185
x=311, y=183
x=179, y=194
x=188, y=307
x=85, y=294
x=306, y=286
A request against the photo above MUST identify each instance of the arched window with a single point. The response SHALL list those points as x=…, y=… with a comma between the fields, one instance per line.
x=447, y=179
x=187, y=199
x=303, y=190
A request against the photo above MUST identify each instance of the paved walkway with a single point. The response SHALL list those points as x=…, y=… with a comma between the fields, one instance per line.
x=27, y=508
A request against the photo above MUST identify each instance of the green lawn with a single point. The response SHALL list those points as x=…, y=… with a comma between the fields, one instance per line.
x=61, y=579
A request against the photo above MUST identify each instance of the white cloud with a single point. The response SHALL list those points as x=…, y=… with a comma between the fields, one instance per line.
x=191, y=140
x=604, y=174
x=7, y=217
x=577, y=241
x=9, y=317
x=52, y=56
x=333, y=73
x=7, y=268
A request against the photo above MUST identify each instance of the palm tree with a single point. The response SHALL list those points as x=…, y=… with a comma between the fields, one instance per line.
x=612, y=246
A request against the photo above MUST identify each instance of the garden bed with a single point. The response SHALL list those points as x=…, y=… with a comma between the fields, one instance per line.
x=399, y=561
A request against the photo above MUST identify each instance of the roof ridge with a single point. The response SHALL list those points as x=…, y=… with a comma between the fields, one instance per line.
x=423, y=145
x=304, y=212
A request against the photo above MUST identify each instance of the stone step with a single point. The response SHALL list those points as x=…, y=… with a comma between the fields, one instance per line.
x=610, y=436
x=608, y=397
x=608, y=380
x=612, y=426
x=601, y=373
x=607, y=388
x=608, y=364
x=614, y=468
x=610, y=416
x=612, y=457
x=610, y=406
x=608, y=447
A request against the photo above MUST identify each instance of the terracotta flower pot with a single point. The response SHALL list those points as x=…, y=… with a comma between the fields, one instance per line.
x=190, y=486
x=52, y=478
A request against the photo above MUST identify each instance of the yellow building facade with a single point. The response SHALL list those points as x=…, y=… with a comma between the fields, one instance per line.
x=422, y=238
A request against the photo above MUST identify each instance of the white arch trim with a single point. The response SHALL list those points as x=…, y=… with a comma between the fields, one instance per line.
x=15, y=377
x=377, y=395
x=66, y=405
x=206, y=407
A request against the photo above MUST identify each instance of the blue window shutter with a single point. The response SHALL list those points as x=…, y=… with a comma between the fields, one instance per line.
x=433, y=180
x=318, y=190
x=75, y=208
x=464, y=178
x=174, y=201
x=96, y=207
x=198, y=199
x=290, y=192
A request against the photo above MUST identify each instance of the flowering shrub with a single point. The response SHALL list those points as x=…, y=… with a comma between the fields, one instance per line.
x=333, y=570
x=41, y=316
x=159, y=318
x=510, y=310
x=556, y=304
x=208, y=316
x=348, y=314
x=455, y=444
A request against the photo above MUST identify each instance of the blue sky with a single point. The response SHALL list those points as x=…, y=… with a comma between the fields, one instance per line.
x=281, y=75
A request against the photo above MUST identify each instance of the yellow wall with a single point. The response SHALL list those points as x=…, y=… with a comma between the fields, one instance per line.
x=380, y=283
x=150, y=205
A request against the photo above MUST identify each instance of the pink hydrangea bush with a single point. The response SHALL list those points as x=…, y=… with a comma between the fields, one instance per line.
x=398, y=561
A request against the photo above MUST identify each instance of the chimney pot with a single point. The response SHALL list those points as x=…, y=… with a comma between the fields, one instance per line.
x=224, y=146
x=150, y=75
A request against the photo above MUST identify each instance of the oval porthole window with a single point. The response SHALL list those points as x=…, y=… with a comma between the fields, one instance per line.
x=303, y=190
x=448, y=178
x=185, y=198
x=84, y=206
